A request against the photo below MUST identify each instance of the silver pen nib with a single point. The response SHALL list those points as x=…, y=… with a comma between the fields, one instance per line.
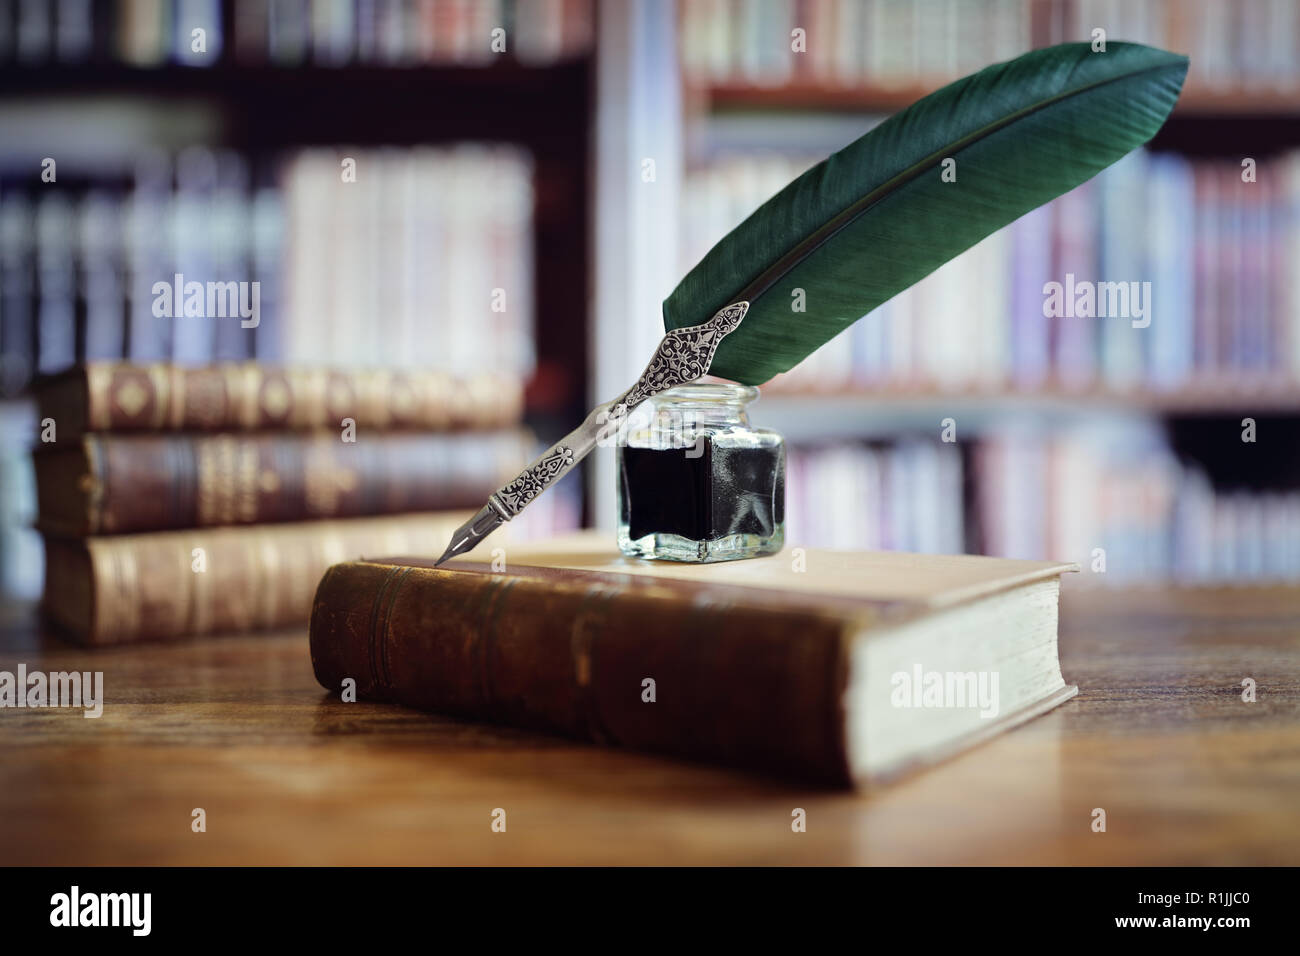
x=472, y=532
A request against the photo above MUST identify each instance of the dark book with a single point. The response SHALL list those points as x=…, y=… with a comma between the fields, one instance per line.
x=839, y=667
x=114, y=484
x=125, y=396
x=129, y=588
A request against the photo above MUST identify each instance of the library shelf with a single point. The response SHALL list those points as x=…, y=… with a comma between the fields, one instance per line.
x=866, y=413
x=269, y=109
x=288, y=106
x=887, y=98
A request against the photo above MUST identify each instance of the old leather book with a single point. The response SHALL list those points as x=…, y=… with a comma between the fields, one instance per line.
x=840, y=667
x=120, y=589
x=246, y=396
x=114, y=484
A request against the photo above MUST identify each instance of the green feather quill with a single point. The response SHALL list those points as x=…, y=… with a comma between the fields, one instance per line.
x=876, y=217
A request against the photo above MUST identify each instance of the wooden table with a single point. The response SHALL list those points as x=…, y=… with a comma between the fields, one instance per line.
x=1159, y=737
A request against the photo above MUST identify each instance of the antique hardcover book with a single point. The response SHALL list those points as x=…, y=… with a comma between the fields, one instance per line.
x=147, y=587
x=840, y=667
x=245, y=396
x=113, y=484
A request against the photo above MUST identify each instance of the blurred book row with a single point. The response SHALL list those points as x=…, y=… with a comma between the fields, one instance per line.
x=904, y=496
x=1169, y=274
x=847, y=41
x=81, y=262
x=190, y=262
x=163, y=492
x=433, y=246
x=150, y=33
x=253, y=373
x=1112, y=498
x=1246, y=43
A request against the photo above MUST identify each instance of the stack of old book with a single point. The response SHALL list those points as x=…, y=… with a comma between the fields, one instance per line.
x=177, y=501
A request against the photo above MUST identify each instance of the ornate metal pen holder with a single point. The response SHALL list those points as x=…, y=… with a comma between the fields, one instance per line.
x=683, y=356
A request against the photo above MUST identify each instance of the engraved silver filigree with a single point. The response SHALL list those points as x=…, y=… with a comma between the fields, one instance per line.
x=514, y=497
x=683, y=356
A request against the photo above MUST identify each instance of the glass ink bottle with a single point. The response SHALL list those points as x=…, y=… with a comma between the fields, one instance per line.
x=697, y=482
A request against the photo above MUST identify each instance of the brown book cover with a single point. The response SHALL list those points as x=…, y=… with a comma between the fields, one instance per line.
x=116, y=484
x=755, y=664
x=246, y=396
x=172, y=584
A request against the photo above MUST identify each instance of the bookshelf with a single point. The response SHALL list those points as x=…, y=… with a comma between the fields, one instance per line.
x=265, y=111
x=118, y=86
x=862, y=412
x=1195, y=101
x=756, y=114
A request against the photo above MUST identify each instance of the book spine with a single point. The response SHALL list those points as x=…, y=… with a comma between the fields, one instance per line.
x=100, y=275
x=121, y=484
x=56, y=323
x=1077, y=340
x=162, y=586
x=149, y=257
x=245, y=396
x=20, y=547
x=17, y=294
x=629, y=666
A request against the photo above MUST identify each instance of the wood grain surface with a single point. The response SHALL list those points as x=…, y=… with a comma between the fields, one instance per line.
x=1159, y=737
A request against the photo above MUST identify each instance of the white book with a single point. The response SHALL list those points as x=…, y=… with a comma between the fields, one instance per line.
x=17, y=285
x=1029, y=341
x=469, y=295
x=1171, y=240
x=384, y=305
x=1272, y=556
x=343, y=262
x=902, y=329
x=945, y=318
x=1224, y=566
x=1283, y=19
x=899, y=485
x=1291, y=537
x=894, y=47
x=777, y=52
x=871, y=351
x=231, y=229
x=1010, y=31
x=148, y=261
x=952, y=506
x=991, y=348
x=927, y=494
x=843, y=39
x=747, y=31
x=100, y=241
x=931, y=39
x=190, y=47
x=1194, y=539
x=266, y=237
x=74, y=30
x=1075, y=503
x=333, y=31
x=194, y=336
x=412, y=267
x=872, y=494
x=1250, y=537
x=56, y=310
x=1291, y=271
x=1123, y=196
x=723, y=33
x=313, y=227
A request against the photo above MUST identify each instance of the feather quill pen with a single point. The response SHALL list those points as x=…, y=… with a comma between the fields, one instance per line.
x=876, y=217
